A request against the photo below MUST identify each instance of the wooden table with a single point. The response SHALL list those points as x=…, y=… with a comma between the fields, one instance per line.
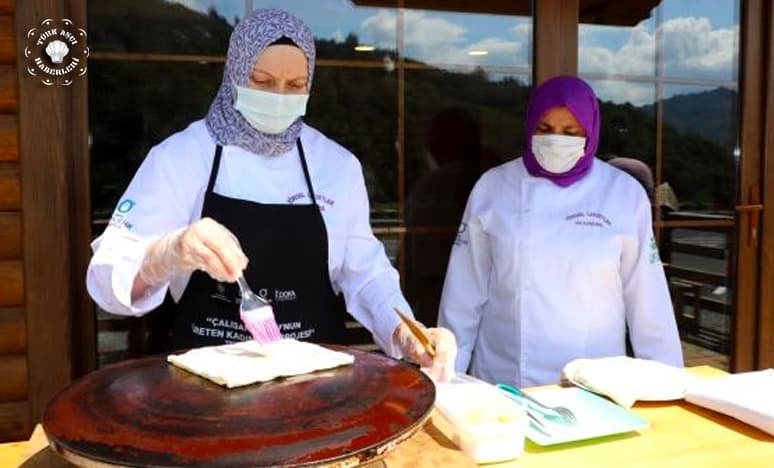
x=680, y=435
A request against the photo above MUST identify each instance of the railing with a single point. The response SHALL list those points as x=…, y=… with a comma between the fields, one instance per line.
x=695, y=248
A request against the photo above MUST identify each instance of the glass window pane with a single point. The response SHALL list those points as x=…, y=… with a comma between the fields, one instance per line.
x=363, y=118
x=628, y=120
x=134, y=106
x=391, y=244
x=700, y=39
x=457, y=126
x=660, y=75
x=445, y=38
x=427, y=256
x=345, y=30
x=618, y=50
x=698, y=152
x=162, y=27
x=698, y=270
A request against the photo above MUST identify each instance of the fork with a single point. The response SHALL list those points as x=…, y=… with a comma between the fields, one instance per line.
x=564, y=413
x=257, y=314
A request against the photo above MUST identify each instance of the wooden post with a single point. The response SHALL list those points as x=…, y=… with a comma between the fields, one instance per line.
x=751, y=84
x=555, y=39
x=54, y=211
x=765, y=325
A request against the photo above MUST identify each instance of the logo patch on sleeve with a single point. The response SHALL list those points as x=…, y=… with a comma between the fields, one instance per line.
x=118, y=219
x=462, y=235
x=654, y=256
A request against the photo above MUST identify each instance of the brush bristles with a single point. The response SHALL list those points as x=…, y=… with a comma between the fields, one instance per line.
x=261, y=324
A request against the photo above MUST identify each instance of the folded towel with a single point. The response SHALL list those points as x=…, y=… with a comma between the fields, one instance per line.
x=747, y=396
x=238, y=364
x=626, y=380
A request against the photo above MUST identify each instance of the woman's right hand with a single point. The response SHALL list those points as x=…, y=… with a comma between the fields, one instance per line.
x=440, y=366
x=204, y=245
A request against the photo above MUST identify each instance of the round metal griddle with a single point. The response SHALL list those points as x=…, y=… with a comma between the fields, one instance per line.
x=147, y=412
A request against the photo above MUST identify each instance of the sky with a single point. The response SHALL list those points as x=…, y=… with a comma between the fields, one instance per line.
x=700, y=40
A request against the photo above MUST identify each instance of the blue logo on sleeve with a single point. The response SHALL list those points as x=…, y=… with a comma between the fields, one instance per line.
x=462, y=237
x=125, y=206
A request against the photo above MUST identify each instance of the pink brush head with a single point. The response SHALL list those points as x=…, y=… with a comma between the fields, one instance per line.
x=261, y=324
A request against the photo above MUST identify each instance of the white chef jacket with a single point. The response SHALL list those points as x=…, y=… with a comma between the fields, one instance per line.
x=167, y=193
x=540, y=275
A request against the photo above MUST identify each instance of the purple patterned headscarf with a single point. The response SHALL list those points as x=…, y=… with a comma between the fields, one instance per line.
x=250, y=37
x=579, y=98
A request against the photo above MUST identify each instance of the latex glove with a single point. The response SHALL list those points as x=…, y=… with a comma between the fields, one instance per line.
x=442, y=366
x=205, y=245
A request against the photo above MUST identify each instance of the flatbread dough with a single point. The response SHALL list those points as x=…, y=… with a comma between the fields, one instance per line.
x=244, y=363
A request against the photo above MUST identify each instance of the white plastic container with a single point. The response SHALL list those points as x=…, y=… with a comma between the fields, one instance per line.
x=486, y=425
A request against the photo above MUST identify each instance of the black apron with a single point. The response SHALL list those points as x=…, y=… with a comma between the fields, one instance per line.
x=287, y=248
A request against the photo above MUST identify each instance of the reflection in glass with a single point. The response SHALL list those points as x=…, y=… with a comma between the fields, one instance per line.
x=134, y=106
x=700, y=39
x=391, y=244
x=637, y=94
x=357, y=107
x=699, y=135
x=452, y=162
x=231, y=10
x=674, y=75
x=458, y=125
x=427, y=256
x=696, y=39
x=698, y=265
x=627, y=128
x=618, y=50
x=162, y=27
x=202, y=27
x=467, y=39
x=369, y=33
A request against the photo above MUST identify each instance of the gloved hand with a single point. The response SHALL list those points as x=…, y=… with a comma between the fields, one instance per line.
x=204, y=245
x=441, y=367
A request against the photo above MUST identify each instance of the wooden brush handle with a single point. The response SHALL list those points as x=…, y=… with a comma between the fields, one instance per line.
x=418, y=333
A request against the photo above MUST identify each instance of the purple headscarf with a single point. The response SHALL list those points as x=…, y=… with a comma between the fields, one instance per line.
x=579, y=98
x=250, y=37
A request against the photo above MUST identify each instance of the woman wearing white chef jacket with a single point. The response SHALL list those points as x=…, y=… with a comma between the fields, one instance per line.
x=555, y=257
x=296, y=200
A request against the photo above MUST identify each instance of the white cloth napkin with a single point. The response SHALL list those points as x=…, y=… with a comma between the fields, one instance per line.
x=238, y=364
x=747, y=396
x=626, y=380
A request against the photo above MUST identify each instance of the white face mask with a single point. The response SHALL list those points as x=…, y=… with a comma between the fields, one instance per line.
x=269, y=112
x=558, y=153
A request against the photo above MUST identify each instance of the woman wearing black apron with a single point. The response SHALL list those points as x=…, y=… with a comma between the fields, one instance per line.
x=292, y=272
x=258, y=201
